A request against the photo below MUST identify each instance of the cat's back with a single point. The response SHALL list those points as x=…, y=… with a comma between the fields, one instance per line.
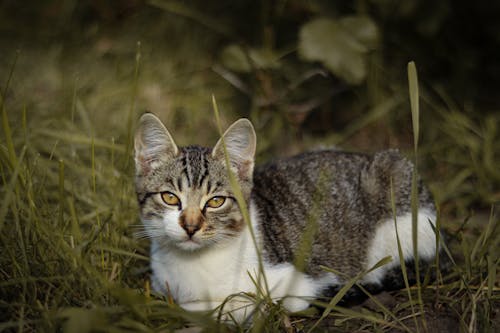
x=292, y=182
x=309, y=163
x=339, y=180
x=342, y=194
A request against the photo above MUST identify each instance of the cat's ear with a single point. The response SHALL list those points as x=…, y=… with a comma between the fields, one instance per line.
x=240, y=142
x=153, y=143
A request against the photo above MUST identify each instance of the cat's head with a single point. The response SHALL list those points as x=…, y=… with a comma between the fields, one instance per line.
x=184, y=193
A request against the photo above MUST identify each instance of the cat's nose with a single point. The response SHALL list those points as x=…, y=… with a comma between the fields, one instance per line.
x=191, y=229
x=191, y=221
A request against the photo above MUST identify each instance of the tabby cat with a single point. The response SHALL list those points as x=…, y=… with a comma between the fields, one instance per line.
x=202, y=250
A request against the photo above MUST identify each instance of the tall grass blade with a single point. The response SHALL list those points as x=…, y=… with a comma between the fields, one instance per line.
x=482, y=244
x=401, y=256
x=492, y=274
x=80, y=139
x=74, y=99
x=131, y=112
x=8, y=138
x=306, y=242
x=437, y=231
x=10, y=189
x=61, y=193
x=242, y=204
x=3, y=94
x=92, y=165
x=414, y=103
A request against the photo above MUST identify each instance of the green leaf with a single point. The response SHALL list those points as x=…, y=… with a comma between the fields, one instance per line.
x=363, y=29
x=340, y=45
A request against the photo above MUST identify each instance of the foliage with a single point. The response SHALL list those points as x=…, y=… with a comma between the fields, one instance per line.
x=340, y=45
x=69, y=258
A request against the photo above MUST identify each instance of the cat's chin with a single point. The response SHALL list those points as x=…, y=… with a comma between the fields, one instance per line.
x=189, y=245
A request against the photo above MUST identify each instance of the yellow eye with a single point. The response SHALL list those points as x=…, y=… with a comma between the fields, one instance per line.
x=170, y=199
x=215, y=202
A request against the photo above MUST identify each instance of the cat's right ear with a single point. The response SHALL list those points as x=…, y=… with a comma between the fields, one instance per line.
x=153, y=143
x=239, y=141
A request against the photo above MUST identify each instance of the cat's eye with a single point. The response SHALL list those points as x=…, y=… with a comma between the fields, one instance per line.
x=170, y=199
x=215, y=202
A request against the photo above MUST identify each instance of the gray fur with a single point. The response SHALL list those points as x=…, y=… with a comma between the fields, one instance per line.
x=357, y=198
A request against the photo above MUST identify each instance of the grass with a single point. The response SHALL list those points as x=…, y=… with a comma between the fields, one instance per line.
x=70, y=262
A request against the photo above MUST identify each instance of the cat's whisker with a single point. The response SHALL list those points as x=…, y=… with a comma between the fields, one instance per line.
x=149, y=233
x=142, y=235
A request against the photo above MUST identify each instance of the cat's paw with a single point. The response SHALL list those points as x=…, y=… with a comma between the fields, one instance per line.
x=199, y=306
x=234, y=310
x=295, y=304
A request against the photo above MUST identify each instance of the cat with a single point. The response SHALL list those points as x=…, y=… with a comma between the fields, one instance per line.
x=203, y=251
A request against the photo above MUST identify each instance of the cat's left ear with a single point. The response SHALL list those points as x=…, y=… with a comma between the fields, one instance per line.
x=240, y=141
x=153, y=143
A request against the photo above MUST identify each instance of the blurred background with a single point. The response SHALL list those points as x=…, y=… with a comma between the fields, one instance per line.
x=308, y=74
x=76, y=75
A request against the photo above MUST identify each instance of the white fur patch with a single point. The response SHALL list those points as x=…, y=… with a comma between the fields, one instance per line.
x=385, y=242
x=171, y=225
x=199, y=280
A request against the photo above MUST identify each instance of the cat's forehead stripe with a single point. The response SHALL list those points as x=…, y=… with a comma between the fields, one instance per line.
x=204, y=163
x=195, y=167
x=179, y=183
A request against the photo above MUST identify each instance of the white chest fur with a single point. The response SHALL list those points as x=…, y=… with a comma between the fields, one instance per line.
x=203, y=279
x=211, y=274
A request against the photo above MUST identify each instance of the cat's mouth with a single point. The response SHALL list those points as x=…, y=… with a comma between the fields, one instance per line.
x=189, y=244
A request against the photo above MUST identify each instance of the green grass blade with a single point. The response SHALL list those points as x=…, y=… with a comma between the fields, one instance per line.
x=401, y=257
x=8, y=138
x=61, y=193
x=345, y=288
x=383, y=308
x=415, y=112
x=10, y=189
x=414, y=101
x=80, y=139
x=351, y=314
x=240, y=199
x=312, y=221
x=131, y=113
